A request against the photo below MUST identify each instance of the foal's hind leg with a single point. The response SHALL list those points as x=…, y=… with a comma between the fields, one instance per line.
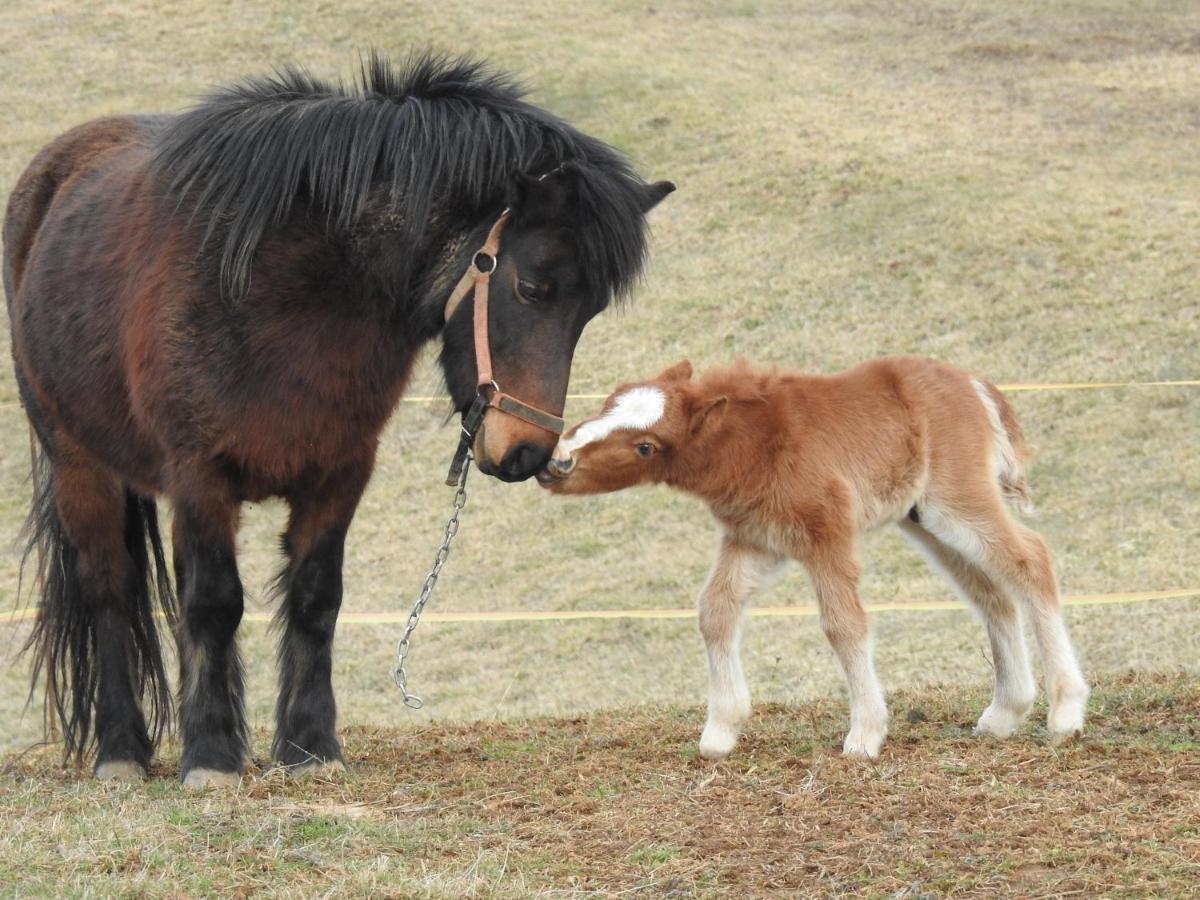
x=91, y=506
x=1014, y=689
x=1016, y=558
x=305, y=737
x=739, y=572
x=211, y=717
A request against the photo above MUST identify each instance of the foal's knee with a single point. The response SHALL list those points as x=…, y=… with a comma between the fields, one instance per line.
x=845, y=628
x=717, y=619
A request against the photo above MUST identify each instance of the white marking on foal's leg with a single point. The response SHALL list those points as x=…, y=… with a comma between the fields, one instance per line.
x=868, y=709
x=1066, y=690
x=738, y=574
x=1013, y=694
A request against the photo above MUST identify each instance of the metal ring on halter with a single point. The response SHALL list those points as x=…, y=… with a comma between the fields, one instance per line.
x=486, y=256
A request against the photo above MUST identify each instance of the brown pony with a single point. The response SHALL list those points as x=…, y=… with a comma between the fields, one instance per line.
x=795, y=467
x=223, y=306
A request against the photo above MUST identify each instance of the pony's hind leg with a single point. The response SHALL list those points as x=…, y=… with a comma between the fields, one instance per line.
x=96, y=639
x=739, y=572
x=1014, y=689
x=211, y=717
x=1016, y=558
x=306, y=714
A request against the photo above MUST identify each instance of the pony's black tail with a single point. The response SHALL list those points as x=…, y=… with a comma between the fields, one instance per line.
x=63, y=642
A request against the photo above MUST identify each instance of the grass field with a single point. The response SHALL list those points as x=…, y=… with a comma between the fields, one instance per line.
x=1011, y=186
x=618, y=803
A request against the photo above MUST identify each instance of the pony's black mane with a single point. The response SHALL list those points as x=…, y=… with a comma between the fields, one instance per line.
x=438, y=131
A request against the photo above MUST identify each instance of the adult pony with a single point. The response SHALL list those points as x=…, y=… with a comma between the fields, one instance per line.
x=223, y=306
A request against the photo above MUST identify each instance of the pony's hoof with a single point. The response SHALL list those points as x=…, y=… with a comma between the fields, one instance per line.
x=319, y=769
x=121, y=770
x=199, y=779
x=717, y=741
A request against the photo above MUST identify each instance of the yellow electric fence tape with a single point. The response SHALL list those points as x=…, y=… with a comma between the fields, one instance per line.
x=1012, y=388
x=573, y=615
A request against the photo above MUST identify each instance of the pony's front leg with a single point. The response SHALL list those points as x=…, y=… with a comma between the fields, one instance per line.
x=305, y=713
x=212, y=720
x=740, y=571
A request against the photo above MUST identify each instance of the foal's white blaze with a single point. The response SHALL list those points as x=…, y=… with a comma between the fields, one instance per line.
x=637, y=408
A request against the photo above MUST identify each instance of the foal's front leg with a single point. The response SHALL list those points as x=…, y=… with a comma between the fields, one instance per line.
x=834, y=571
x=740, y=571
x=306, y=714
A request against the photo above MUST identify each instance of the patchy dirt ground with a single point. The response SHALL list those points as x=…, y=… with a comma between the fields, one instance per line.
x=619, y=802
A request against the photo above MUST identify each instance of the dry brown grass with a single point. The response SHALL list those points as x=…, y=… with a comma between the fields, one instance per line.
x=619, y=803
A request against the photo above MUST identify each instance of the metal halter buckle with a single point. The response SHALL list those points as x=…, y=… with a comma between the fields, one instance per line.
x=487, y=258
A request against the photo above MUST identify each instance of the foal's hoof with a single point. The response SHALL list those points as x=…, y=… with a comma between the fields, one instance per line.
x=121, y=770
x=199, y=779
x=998, y=722
x=1065, y=721
x=716, y=741
x=319, y=769
x=861, y=744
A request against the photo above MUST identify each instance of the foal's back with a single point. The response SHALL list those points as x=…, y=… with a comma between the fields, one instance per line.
x=888, y=428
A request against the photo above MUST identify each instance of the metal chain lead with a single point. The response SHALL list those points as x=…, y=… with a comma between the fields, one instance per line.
x=399, y=675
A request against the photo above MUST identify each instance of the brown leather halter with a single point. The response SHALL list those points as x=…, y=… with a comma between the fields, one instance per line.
x=488, y=392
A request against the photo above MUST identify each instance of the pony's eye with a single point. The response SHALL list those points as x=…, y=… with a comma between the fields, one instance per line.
x=530, y=291
x=644, y=449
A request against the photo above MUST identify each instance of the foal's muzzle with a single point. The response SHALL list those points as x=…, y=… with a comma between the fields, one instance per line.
x=558, y=468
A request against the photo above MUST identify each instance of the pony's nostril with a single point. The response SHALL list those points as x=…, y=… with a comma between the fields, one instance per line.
x=522, y=461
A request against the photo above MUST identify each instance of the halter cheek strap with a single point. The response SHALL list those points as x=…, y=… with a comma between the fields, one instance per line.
x=489, y=394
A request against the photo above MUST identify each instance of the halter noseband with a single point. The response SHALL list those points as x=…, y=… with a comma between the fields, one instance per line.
x=488, y=393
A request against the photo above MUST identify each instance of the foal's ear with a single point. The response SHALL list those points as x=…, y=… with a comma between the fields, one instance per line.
x=653, y=194
x=708, y=416
x=681, y=371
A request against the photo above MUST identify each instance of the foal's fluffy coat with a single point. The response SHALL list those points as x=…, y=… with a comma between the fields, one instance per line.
x=795, y=466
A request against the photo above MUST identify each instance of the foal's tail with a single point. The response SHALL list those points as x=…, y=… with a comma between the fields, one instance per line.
x=1009, y=449
x=63, y=642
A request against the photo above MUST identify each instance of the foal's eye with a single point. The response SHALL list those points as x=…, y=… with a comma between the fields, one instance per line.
x=644, y=449
x=530, y=291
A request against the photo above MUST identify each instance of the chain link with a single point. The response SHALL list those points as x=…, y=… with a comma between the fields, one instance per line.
x=399, y=675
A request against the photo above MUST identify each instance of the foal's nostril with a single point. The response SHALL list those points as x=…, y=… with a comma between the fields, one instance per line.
x=561, y=466
x=522, y=461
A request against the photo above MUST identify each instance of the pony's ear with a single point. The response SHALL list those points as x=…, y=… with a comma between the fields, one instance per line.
x=707, y=416
x=543, y=198
x=681, y=371
x=653, y=194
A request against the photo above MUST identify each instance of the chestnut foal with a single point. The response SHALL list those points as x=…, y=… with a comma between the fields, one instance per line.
x=795, y=466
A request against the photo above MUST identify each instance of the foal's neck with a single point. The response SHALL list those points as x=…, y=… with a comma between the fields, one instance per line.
x=718, y=462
